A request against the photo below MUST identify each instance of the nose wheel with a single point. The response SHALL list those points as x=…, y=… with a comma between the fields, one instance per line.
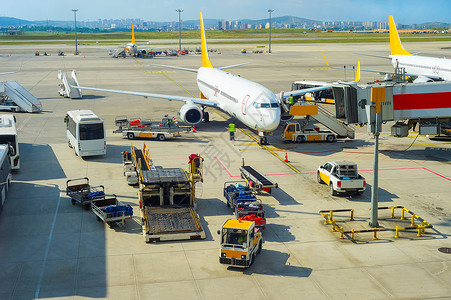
x=263, y=140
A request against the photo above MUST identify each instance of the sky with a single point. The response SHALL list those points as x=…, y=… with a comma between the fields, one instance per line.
x=404, y=11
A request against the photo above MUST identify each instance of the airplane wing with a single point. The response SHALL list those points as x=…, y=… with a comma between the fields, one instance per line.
x=6, y=73
x=232, y=66
x=198, y=101
x=173, y=67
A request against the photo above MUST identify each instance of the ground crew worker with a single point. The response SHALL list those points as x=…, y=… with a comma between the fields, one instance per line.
x=232, y=131
x=243, y=237
x=290, y=100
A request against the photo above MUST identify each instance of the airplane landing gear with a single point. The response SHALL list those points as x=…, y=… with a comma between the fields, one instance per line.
x=206, y=117
x=263, y=140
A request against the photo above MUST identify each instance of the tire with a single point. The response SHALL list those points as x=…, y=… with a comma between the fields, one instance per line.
x=332, y=191
x=318, y=177
x=330, y=138
x=206, y=117
x=130, y=135
x=299, y=139
x=68, y=144
x=161, y=137
x=98, y=219
x=72, y=201
x=251, y=262
x=259, y=249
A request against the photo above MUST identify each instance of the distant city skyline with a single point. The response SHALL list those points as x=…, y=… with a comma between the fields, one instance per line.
x=404, y=12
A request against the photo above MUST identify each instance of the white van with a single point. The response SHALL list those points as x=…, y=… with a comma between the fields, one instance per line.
x=8, y=136
x=85, y=133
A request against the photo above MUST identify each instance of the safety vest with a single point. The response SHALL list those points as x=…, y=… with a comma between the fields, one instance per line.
x=231, y=127
x=290, y=100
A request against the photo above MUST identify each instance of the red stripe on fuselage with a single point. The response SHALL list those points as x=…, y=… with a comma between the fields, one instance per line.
x=422, y=101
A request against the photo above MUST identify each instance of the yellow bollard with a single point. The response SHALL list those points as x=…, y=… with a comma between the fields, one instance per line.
x=333, y=226
x=325, y=218
x=397, y=231
x=341, y=233
x=374, y=234
x=419, y=230
x=352, y=215
x=331, y=215
x=352, y=234
x=402, y=214
x=393, y=212
x=413, y=221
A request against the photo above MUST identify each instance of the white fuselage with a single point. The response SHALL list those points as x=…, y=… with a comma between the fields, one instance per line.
x=250, y=102
x=423, y=65
x=131, y=48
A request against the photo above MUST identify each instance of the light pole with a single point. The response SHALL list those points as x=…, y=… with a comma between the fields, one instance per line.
x=270, y=11
x=76, y=44
x=180, y=30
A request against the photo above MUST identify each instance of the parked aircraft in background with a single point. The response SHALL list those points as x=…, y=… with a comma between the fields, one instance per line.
x=421, y=68
x=129, y=48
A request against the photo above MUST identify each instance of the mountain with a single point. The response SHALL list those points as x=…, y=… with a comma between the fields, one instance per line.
x=7, y=21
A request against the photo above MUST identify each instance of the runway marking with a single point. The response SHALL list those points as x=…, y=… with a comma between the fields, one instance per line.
x=158, y=72
x=286, y=63
x=318, y=69
x=270, y=151
x=46, y=253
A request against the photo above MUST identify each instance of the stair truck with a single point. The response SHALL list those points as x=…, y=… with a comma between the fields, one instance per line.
x=240, y=242
x=341, y=177
x=167, y=202
x=293, y=132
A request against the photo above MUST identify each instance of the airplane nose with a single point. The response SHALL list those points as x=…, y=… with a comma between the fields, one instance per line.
x=273, y=121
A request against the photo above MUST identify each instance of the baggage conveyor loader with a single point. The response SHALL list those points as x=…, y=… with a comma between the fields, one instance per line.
x=257, y=181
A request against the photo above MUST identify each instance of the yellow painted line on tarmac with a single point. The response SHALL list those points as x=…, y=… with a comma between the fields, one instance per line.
x=270, y=151
x=286, y=63
x=159, y=72
x=256, y=149
x=318, y=69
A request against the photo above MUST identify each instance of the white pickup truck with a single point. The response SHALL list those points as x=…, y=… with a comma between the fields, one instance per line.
x=341, y=177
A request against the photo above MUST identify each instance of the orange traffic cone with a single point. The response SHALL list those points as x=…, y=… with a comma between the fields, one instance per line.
x=194, y=128
x=286, y=157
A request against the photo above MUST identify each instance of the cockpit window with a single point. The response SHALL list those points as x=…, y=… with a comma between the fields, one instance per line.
x=265, y=105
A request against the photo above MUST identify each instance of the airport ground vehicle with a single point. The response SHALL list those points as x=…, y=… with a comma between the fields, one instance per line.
x=5, y=174
x=257, y=181
x=293, y=132
x=111, y=211
x=80, y=191
x=241, y=241
x=238, y=191
x=129, y=168
x=167, y=202
x=8, y=136
x=251, y=211
x=324, y=96
x=341, y=177
x=136, y=128
x=85, y=133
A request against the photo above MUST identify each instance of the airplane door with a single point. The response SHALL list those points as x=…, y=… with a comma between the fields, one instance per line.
x=244, y=104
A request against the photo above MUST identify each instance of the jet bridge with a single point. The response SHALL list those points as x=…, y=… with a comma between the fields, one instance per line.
x=15, y=97
x=69, y=85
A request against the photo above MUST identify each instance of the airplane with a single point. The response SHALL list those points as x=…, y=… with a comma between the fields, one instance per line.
x=251, y=103
x=131, y=48
x=422, y=68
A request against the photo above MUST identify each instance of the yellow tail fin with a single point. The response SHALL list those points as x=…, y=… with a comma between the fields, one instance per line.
x=133, y=34
x=205, y=60
x=395, y=43
x=357, y=73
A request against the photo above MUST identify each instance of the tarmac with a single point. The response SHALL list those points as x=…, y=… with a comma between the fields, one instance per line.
x=50, y=249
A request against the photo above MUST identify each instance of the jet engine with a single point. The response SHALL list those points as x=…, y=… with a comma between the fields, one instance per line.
x=423, y=79
x=191, y=114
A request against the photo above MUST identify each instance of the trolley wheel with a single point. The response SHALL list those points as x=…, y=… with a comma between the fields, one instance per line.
x=332, y=191
x=98, y=219
x=161, y=137
x=318, y=177
x=130, y=135
x=72, y=201
x=330, y=138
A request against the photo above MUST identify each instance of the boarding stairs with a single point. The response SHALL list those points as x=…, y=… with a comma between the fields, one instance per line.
x=325, y=117
x=15, y=97
x=69, y=85
x=119, y=52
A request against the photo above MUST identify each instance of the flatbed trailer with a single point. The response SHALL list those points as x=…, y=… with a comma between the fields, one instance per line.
x=111, y=211
x=251, y=211
x=257, y=180
x=137, y=128
x=167, y=206
x=80, y=191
